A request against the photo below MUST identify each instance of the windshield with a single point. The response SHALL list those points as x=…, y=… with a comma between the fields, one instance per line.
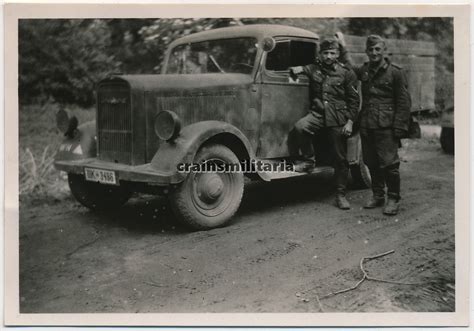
x=214, y=56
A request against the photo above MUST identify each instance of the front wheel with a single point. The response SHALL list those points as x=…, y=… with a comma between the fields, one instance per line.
x=208, y=200
x=97, y=196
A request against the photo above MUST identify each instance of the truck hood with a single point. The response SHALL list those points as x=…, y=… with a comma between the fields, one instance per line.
x=173, y=82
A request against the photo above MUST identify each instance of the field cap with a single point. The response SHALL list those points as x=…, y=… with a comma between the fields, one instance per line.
x=374, y=39
x=329, y=43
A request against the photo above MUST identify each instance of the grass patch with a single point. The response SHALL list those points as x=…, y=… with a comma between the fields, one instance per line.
x=38, y=142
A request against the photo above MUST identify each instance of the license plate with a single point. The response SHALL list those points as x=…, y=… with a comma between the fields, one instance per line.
x=101, y=176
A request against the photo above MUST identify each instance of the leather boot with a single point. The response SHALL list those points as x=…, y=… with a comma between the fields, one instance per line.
x=374, y=202
x=306, y=165
x=342, y=202
x=391, y=208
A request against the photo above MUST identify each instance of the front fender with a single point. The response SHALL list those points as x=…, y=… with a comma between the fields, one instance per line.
x=184, y=148
x=82, y=145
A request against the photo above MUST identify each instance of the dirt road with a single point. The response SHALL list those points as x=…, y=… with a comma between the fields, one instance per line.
x=287, y=246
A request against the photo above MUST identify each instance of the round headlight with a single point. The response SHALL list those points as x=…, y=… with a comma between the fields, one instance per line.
x=62, y=120
x=167, y=125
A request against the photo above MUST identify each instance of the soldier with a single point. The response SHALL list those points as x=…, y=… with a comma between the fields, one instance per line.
x=384, y=120
x=334, y=105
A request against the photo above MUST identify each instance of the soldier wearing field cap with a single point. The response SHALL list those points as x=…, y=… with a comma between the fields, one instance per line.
x=334, y=105
x=384, y=120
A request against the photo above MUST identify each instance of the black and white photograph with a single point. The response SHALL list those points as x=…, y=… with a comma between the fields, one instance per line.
x=253, y=164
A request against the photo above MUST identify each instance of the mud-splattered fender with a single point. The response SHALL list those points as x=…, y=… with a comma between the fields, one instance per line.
x=82, y=145
x=191, y=138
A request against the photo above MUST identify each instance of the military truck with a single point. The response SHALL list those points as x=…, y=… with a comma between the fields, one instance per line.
x=224, y=97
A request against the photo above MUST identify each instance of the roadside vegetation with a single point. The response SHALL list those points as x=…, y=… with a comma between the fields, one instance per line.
x=39, y=141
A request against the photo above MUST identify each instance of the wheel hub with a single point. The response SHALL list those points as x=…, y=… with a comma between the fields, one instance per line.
x=210, y=187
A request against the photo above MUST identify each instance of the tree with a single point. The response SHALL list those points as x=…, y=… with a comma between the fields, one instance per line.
x=63, y=59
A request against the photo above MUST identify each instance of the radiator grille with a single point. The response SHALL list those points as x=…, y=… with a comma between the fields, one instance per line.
x=114, y=124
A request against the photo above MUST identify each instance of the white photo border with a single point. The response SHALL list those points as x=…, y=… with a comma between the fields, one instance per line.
x=461, y=15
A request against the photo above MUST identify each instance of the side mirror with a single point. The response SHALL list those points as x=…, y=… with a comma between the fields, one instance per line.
x=268, y=44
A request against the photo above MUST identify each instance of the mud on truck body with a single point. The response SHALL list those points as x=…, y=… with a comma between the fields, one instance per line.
x=223, y=96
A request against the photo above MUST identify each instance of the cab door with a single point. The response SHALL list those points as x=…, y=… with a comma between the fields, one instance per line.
x=284, y=100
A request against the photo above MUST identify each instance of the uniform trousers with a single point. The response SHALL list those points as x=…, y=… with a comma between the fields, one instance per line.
x=380, y=153
x=307, y=129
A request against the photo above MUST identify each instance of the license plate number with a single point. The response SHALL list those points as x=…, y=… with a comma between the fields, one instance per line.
x=101, y=176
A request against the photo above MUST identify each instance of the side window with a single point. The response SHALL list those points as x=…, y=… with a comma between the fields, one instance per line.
x=302, y=53
x=279, y=58
x=289, y=54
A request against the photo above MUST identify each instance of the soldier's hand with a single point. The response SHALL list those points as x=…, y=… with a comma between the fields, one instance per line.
x=296, y=70
x=340, y=38
x=399, y=133
x=318, y=105
x=347, y=129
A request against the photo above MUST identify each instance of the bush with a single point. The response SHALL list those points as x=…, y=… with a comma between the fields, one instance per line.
x=35, y=172
x=39, y=141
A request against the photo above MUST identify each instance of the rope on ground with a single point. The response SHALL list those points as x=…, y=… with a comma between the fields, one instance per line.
x=367, y=277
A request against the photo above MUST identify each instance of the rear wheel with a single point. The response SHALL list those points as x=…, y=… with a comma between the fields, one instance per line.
x=447, y=140
x=97, y=196
x=208, y=200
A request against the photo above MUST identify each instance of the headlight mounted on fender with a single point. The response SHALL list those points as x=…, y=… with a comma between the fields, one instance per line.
x=167, y=125
x=65, y=124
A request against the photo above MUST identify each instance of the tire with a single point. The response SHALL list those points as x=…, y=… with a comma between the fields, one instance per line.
x=447, y=140
x=95, y=196
x=208, y=200
x=360, y=175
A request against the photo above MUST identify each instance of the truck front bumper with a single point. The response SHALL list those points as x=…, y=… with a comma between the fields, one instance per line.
x=142, y=173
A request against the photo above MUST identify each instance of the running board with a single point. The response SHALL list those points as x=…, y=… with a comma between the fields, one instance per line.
x=287, y=174
x=315, y=170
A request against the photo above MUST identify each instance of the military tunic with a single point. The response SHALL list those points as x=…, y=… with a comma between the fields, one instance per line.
x=336, y=88
x=334, y=101
x=385, y=98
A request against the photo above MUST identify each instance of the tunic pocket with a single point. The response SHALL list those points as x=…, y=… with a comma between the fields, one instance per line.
x=317, y=77
x=335, y=81
x=386, y=114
